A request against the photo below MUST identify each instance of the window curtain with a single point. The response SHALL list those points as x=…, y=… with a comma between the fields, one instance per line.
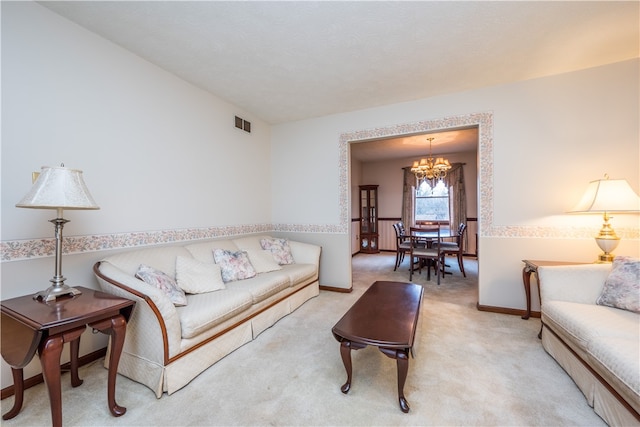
x=455, y=181
x=408, y=200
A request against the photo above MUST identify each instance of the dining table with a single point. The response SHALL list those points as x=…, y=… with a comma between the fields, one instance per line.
x=429, y=234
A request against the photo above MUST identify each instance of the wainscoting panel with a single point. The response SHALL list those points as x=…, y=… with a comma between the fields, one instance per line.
x=386, y=234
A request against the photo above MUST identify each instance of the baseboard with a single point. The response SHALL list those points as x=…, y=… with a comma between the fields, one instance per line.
x=503, y=310
x=38, y=379
x=335, y=289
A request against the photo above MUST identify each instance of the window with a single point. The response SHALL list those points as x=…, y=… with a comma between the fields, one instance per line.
x=432, y=204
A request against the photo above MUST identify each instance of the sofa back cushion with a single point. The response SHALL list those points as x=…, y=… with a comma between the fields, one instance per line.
x=204, y=251
x=251, y=242
x=161, y=258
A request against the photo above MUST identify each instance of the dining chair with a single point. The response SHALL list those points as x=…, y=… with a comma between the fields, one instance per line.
x=456, y=247
x=429, y=255
x=403, y=245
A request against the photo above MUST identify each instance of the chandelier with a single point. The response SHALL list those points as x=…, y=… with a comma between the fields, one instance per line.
x=430, y=169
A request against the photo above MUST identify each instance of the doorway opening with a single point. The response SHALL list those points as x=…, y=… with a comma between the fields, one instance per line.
x=482, y=164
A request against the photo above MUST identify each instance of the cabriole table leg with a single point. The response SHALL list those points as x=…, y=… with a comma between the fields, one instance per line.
x=402, y=362
x=345, y=353
x=116, y=328
x=18, y=387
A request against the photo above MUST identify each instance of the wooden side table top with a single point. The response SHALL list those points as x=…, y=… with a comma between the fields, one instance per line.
x=534, y=264
x=65, y=310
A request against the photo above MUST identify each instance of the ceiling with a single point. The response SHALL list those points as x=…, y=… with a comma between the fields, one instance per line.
x=417, y=146
x=293, y=60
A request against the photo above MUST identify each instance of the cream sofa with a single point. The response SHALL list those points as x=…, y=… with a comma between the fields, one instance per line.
x=166, y=346
x=597, y=345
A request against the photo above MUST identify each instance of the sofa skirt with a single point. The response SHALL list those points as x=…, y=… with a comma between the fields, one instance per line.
x=599, y=397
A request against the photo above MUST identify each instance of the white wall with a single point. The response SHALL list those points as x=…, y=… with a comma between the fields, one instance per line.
x=157, y=153
x=550, y=137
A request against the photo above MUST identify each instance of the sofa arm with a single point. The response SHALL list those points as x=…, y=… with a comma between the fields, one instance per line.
x=155, y=323
x=580, y=283
x=305, y=253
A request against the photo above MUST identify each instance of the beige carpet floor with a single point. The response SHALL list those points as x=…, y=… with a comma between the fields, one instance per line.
x=471, y=368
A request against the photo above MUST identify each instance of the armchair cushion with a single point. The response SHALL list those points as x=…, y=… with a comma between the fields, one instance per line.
x=622, y=286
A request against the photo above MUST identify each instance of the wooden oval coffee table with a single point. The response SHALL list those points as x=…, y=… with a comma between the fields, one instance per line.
x=385, y=316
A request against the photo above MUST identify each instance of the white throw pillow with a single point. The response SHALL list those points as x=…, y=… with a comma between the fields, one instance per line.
x=262, y=260
x=196, y=277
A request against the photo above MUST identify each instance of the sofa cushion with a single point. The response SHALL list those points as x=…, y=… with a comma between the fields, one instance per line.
x=299, y=272
x=578, y=324
x=262, y=286
x=622, y=286
x=262, y=261
x=234, y=265
x=196, y=277
x=210, y=309
x=162, y=281
x=279, y=248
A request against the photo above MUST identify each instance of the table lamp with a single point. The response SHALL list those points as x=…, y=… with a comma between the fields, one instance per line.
x=606, y=196
x=58, y=188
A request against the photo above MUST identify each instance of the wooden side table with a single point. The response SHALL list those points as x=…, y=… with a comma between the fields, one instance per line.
x=29, y=325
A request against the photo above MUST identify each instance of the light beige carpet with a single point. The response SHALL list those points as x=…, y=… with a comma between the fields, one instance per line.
x=471, y=369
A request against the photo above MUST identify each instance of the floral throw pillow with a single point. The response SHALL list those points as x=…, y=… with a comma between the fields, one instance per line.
x=234, y=265
x=163, y=282
x=279, y=248
x=622, y=286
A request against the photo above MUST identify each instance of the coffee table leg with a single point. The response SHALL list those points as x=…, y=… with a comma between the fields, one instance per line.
x=403, y=367
x=345, y=353
x=402, y=362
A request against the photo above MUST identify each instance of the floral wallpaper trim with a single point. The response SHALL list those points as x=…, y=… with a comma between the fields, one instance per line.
x=37, y=248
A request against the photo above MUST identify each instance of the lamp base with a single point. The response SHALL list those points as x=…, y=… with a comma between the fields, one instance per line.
x=608, y=242
x=53, y=292
x=605, y=258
